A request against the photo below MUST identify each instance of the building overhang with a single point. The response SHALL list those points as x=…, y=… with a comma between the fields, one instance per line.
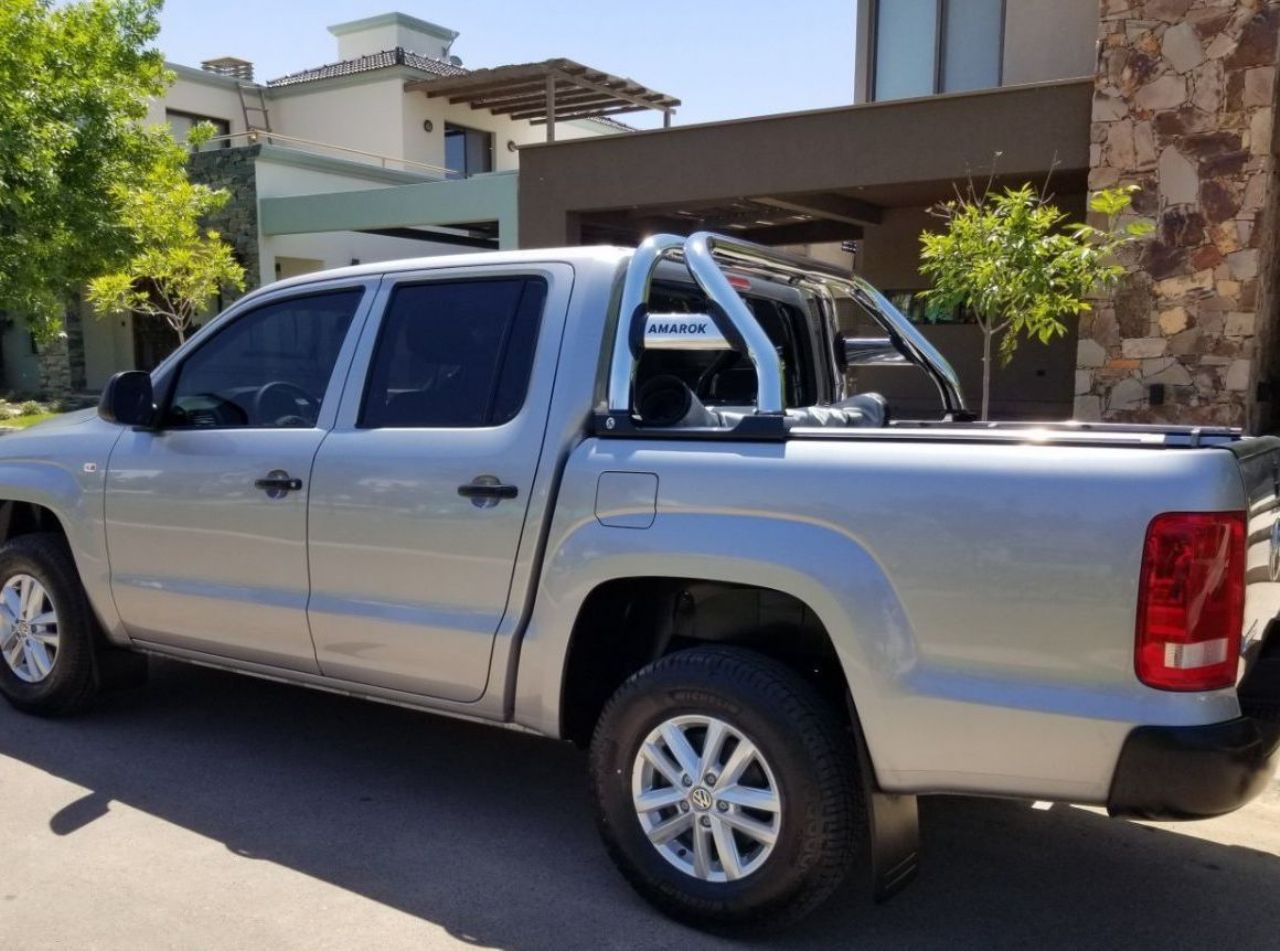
x=557, y=90
x=806, y=177
x=481, y=209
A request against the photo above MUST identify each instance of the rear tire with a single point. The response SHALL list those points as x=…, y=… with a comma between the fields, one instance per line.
x=803, y=772
x=46, y=667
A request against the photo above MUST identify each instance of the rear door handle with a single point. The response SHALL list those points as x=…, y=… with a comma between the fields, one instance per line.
x=278, y=483
x=485, y=491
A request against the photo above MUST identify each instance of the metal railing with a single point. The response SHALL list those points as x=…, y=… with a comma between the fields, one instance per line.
x=253, y=136
x=705, y=254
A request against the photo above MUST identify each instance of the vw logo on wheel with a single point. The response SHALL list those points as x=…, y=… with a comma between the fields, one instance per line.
x=701, y=799
x=1273, y=561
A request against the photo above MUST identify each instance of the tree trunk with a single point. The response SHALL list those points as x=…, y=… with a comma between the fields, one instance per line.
x=988, y=334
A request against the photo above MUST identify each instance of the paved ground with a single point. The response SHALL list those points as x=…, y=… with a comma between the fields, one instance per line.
x=212, y=811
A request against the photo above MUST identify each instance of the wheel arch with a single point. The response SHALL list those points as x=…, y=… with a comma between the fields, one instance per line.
x=18, y=517
x=36, y=497
x=627, y=623
x=848, y=610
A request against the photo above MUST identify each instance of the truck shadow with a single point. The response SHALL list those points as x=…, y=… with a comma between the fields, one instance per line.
x=489, y=835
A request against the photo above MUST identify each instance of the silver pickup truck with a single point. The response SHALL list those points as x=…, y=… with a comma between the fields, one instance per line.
x=631, y=499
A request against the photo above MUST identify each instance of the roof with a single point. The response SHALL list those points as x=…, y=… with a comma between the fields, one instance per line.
x=434, y=68
x=373, y=61
x=551, y=91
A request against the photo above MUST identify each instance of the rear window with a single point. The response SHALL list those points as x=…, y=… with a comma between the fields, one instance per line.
x=728, y=378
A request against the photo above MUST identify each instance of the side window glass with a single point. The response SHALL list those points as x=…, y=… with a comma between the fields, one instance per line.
x=454, y=354
x=267, y=369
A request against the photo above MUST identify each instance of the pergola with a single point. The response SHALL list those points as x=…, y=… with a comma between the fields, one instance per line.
x=557, y=90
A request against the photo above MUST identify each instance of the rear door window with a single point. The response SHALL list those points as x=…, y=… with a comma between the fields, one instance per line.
x=454, y=354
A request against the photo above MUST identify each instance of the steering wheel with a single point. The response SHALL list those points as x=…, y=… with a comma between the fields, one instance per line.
x=276, y=404
x=721, y=362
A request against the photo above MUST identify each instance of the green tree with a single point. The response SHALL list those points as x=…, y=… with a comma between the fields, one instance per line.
x=75, y=80
x=177, y=267
x=1012, y=260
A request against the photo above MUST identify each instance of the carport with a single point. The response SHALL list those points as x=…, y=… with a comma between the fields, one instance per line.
x=851, y=184
x=802, y=178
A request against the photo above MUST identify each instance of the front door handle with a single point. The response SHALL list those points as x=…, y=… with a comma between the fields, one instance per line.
x=486, y=491
x=278, y=484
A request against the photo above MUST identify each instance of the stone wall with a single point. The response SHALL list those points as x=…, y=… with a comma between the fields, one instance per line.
x=55, y=369
x=1183, y=108
x=234, y=170
x=74, y=327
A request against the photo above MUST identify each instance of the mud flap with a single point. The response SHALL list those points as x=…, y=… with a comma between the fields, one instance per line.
x=895, y=843
x=893, y=821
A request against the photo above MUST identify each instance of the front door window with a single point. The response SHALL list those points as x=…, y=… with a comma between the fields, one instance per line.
x=266, y=370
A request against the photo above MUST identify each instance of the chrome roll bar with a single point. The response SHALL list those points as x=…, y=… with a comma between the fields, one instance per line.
x=698, y=257
x=705, y=254
x=635, y=300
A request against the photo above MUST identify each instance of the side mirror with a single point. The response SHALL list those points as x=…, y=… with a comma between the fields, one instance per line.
x=127, y=399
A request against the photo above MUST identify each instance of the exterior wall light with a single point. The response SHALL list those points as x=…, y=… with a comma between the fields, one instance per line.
x=428, y=125
x=511, y=145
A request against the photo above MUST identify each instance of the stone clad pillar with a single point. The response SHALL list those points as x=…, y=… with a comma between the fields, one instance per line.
x=1184, y=102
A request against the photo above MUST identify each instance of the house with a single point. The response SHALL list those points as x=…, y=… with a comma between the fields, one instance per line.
x=1177, y=97
x=322, y=163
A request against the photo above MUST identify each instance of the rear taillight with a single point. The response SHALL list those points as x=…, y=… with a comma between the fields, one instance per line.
x=1191, y=600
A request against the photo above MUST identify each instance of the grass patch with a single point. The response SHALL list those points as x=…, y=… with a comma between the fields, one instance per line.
x=22, y=422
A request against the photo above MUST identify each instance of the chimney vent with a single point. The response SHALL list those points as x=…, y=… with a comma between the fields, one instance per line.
x=230, y=66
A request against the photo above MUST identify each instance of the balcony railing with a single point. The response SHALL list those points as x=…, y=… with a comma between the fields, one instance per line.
x=254, y=136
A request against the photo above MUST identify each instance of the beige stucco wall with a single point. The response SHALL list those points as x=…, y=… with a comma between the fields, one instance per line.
x=365, y=115
x=379, y=116
x=388, y=37
x=340, y=248
x=1049, y=39
x=108, y=345
x=421, y=146
x=212, y=97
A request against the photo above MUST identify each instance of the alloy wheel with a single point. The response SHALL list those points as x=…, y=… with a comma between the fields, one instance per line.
x=28, y=628
x=706, y=798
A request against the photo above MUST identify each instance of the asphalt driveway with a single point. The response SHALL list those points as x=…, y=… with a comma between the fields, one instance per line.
x=213, y=811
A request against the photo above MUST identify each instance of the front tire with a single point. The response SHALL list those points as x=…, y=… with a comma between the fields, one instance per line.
x=726, y=790
x=47, y=630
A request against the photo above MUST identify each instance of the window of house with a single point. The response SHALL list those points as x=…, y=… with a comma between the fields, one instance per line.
x=454, y=354
x=182, y=122
x=269, y=368
x=972, y=41
x=923, y=47
x=906, y=39
x=467, y=152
